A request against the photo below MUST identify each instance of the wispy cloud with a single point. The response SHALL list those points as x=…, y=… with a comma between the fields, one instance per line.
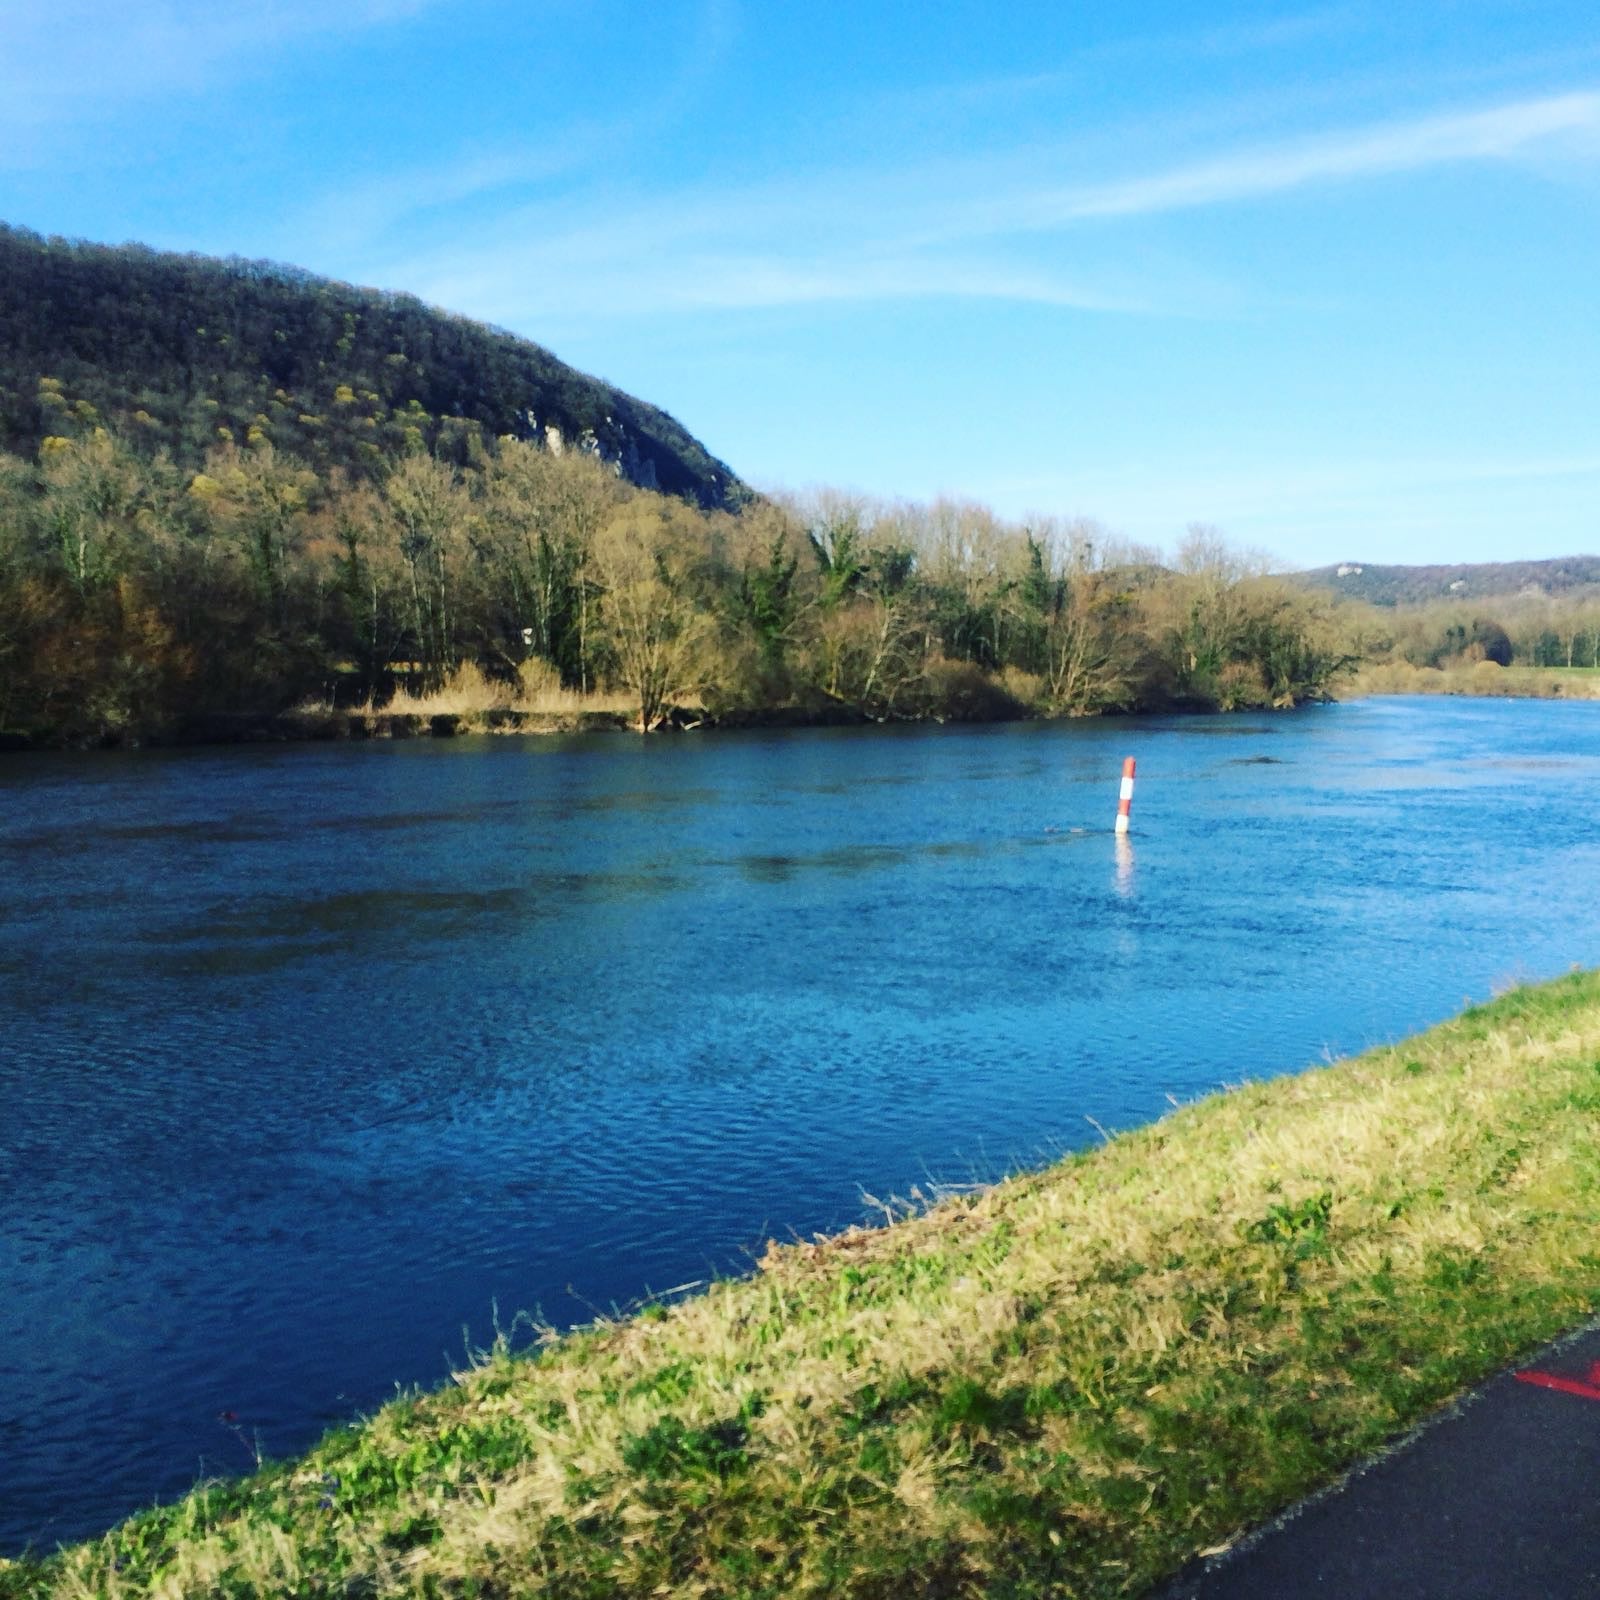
x=1410, y=146
x=366, y=210
x=1005, y=227
x=710, y=280
x=72, y=61
x=1137, y=50
x=1327, y=510
x=1246, y=490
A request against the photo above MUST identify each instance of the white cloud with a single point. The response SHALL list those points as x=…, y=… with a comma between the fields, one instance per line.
x=957, y=229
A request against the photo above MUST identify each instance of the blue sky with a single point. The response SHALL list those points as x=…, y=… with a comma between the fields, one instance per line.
x=1327, y=278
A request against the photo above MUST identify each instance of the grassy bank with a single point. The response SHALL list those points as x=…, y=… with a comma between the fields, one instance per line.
x=1485, y=678
x=1067, y=1384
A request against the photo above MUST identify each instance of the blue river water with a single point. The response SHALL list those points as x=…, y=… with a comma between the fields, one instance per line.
x=316, y=1059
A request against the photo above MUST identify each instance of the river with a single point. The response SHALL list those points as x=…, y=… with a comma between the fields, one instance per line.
x=316, y=1060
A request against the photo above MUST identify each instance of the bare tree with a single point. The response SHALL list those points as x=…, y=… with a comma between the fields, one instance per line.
x=429, y=510
x=652, y=617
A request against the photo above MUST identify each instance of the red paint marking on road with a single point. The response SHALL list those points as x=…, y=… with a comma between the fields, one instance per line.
x=1548, y=1380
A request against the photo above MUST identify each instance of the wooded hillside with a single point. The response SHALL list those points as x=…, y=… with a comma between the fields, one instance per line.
x=182, y=353
x=235, y=489
x=1569, y=577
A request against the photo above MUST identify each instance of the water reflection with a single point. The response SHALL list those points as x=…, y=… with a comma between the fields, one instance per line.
x=1124, y=874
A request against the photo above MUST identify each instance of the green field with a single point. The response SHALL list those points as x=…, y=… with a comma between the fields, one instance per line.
x=1066, y=1384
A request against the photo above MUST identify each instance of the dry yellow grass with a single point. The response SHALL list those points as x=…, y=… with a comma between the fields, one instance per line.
x=479, y=702
x=468, y=693
x=1067, y=1384
x=1482, y=678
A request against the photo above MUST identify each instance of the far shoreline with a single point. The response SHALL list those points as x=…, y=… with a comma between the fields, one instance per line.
x=315, y=726
x=318, y=725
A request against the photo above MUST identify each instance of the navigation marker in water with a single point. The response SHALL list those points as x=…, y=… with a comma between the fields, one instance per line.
x=1125, y=799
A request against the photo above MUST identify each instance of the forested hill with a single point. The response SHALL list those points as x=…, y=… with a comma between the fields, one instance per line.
x=1567, y=578
x=231, y=492
x=184, y=352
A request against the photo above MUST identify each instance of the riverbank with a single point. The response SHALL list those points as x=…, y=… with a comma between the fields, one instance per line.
x=325, y=725
x=1482, y=679
x=1071, y=1382
x=320, y=725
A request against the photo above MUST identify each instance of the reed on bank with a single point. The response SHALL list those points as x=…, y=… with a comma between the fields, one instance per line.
x=1069, y=1383
x=474, y=698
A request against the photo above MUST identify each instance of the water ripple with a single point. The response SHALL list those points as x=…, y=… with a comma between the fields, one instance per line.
x=313, y=1057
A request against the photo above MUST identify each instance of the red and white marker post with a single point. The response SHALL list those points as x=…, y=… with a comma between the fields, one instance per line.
x=1125, y=797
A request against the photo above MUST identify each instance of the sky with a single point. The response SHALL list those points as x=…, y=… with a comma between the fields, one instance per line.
x=1326, y=278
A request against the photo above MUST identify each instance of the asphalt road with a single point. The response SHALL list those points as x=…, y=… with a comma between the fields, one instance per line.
x=1499, y=1499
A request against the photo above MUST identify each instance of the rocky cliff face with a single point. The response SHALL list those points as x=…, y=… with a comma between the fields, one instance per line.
x=619, y=450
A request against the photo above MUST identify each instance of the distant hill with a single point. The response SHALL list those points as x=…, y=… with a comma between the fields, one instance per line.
x=184, y=352
x=1391, y=586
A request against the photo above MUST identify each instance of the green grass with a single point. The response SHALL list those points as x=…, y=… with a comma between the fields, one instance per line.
x=1067, y=1384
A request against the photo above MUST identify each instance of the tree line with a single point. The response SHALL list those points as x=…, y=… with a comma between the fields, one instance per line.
x=138, y=595
x=1520, y=630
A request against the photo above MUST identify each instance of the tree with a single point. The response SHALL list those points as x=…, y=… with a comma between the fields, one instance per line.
x=261, y=500
x=541, y=514
x=1089, y=646
x=1288, y=641
x=836, y=530
x=654, y=622
x=93, y=494
x=1489, y=637
x=768, y=598
x=428, y=510
x=368, y=585
x=961, y=552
